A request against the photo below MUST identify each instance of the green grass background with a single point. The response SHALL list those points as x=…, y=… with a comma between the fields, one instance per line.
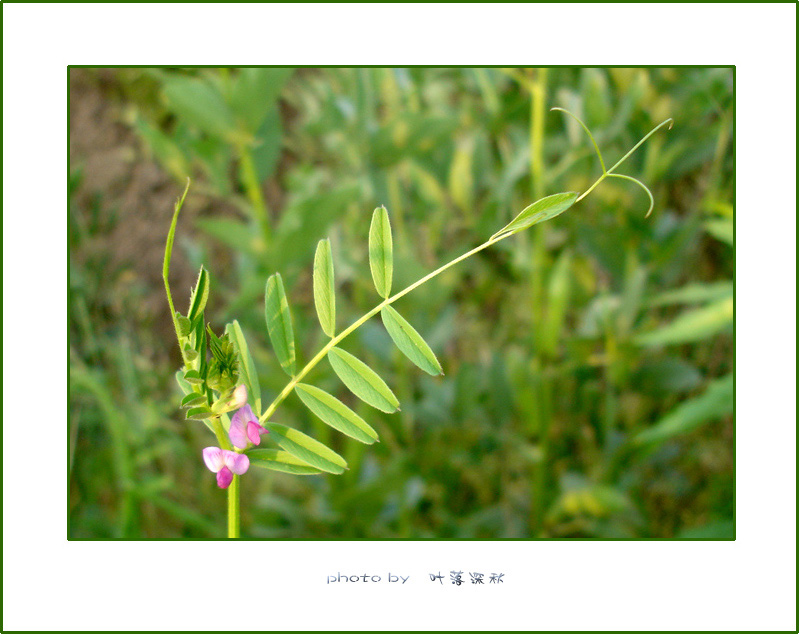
x=588, y=362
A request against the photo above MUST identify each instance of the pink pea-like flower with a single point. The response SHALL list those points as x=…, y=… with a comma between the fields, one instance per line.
x=224, y=464
x=244, y=428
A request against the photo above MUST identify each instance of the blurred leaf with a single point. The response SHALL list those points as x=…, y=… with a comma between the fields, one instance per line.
x=381, y=251
x=304, y=223
x=199, y=295
x=693, y=325
x=278, y=460
x=667, y=375
x=233, y=233
x=721, y=229
x=165, y=150
x=254, y=94
x=306, y=448
x=324, y=287
x=267, y=145
x=694, y=294
x=410, y=342
x=461, y=182
x=335, y=413
x=199, y=104
x=246, y=364
x=715, y=402
x=278, y=323
x=362, y=381
x=540, y=211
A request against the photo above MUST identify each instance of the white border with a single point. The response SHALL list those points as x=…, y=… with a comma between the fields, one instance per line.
x=54, y=584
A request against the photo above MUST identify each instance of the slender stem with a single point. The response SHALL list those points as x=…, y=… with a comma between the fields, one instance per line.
x=670, y=121
x=335, y=340
x=620, y=161
x=233, y=509
x=590, y=136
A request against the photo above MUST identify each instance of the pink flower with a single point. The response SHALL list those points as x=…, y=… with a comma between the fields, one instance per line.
x=224, y=464
x=245, y=429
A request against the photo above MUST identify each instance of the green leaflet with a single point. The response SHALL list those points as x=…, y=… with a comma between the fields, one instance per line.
x=715, y=402
x=184, y=325
x=193, y=377
x=192, y=399
x=362, y=381
x=333, y=412
x=199, y=295
x=306, y=448
x=278, y=323
x=324, y=293
x=199, y=413
x=381, y=251
x=410, y=342
x=541, y=210
x=246, y=365
x=278, y=460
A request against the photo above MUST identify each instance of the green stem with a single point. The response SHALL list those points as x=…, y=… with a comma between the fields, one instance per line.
x=339, y=337
x=233, y=509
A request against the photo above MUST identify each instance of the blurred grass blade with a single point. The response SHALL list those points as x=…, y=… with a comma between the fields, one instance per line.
x=362, y=381
x=199, y=295
x=306, y=448
x=558, y=292
x=333, y=412
x=278, y=323
x=246, y=364
x=541, y=210
x=693, y=325
x=278, y=460
x=381, y=251
x=324, y=292
x=717, y=401
x=694, y=294
x=410, y=342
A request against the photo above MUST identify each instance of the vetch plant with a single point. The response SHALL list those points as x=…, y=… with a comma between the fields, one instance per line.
x=219, y=376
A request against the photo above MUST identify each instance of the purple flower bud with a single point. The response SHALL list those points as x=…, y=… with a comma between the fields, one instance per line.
x=245, y=429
